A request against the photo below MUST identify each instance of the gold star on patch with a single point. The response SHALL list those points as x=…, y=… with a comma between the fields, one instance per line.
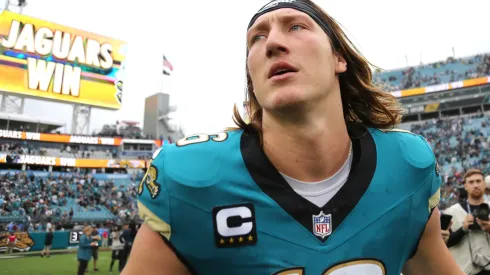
x=250, y=238
x=222, y=241
x=231, y=240
x=240, y=239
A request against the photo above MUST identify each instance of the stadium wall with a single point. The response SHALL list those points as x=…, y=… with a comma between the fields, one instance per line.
x=35, y=241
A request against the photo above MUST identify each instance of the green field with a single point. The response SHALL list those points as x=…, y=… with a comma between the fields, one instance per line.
x=59, y=264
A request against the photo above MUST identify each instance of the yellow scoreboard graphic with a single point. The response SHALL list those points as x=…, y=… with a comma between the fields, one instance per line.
x=48, y=61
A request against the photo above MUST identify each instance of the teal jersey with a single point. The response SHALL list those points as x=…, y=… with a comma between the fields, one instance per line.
x=225, y=209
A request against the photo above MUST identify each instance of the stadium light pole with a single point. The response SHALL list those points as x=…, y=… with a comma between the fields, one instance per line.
x=21, y=4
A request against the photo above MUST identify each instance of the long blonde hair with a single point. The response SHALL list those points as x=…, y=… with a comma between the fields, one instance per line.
x=363, y=102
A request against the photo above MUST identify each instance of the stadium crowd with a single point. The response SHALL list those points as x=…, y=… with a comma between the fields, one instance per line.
x=42, y=201
x=459, y=144
x=15, y=148
x=452, y=69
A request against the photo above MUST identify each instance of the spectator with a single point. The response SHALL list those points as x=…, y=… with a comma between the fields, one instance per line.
x=95, y=249
x=469, y=241
x=127, y=238
x=48, y=242
x=49, y=226
x=116, y=247
x=85, y=250
x=11, y=241
x=105, y=238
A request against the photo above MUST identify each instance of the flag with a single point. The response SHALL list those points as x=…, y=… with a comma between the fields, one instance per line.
x=167, y=67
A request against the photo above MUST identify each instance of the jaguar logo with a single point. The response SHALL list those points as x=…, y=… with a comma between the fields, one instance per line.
x=149, y=181
x=24, y=241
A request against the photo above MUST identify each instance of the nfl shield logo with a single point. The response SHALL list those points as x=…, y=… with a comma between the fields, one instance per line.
x=322, y=225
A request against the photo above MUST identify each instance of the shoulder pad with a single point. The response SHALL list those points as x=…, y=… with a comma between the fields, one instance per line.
x=412, y=147
x=200, y=160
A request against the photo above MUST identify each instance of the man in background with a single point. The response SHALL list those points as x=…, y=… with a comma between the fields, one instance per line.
x=116, y=246
x=11, y=241
x=127, y=238
x=95, y=249
x=48, y=242
x=469, y=241
x=105, y=238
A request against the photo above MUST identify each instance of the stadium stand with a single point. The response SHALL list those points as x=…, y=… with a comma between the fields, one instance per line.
x=50, y=177
x=459, y=143
x=452, y=113
x=35, y=198
x=47, y=177
x=452, y=69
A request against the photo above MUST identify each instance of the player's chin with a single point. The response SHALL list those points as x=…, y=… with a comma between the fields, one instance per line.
x=287, y=97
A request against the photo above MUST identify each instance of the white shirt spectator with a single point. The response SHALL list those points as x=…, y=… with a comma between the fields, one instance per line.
x=116, y=243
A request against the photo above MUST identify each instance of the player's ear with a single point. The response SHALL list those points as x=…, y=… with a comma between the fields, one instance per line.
x=340, y=63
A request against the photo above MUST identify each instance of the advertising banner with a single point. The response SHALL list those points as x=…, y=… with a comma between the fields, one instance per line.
x=60, y=138
x=74, y=139
x=443, y=87
x=73, y=162
x=48, y=61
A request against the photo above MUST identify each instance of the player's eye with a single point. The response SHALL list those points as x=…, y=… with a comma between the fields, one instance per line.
x=296, y=28
x=256, y=38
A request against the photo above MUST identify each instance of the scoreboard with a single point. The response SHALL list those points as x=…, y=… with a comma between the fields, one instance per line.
x=75, y=236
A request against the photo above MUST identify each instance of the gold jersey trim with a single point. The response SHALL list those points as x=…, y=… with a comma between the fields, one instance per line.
x=153, y=221
x=434, y=200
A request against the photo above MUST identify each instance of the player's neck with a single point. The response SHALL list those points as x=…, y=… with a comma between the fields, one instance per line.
x=475, y=201
x=309, y=148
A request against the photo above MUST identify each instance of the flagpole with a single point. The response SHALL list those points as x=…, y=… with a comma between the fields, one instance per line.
x=162, y=76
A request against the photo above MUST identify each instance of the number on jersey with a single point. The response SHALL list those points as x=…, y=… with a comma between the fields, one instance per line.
x=202, y=138
x=365, y=267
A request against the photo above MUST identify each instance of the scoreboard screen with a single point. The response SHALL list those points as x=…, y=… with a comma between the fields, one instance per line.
x=75, y=237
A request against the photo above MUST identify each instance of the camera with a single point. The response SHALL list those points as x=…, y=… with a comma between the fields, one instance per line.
x=481, y=212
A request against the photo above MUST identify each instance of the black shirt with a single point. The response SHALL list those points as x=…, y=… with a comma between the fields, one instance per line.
x=95, y=232
x=49, y=239
x=127, y=237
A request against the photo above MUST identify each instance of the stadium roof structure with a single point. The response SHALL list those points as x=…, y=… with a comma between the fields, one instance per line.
x=11, y=121
x=447, y=103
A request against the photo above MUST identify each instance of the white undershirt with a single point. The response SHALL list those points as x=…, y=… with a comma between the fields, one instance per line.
x=321, y=192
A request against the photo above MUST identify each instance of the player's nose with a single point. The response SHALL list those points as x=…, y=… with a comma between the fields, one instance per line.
x=276, y=43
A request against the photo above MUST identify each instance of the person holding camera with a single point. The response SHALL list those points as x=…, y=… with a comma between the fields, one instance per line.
x=469, y=240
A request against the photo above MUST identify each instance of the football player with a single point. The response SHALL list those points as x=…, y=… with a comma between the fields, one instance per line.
x=317, y=183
